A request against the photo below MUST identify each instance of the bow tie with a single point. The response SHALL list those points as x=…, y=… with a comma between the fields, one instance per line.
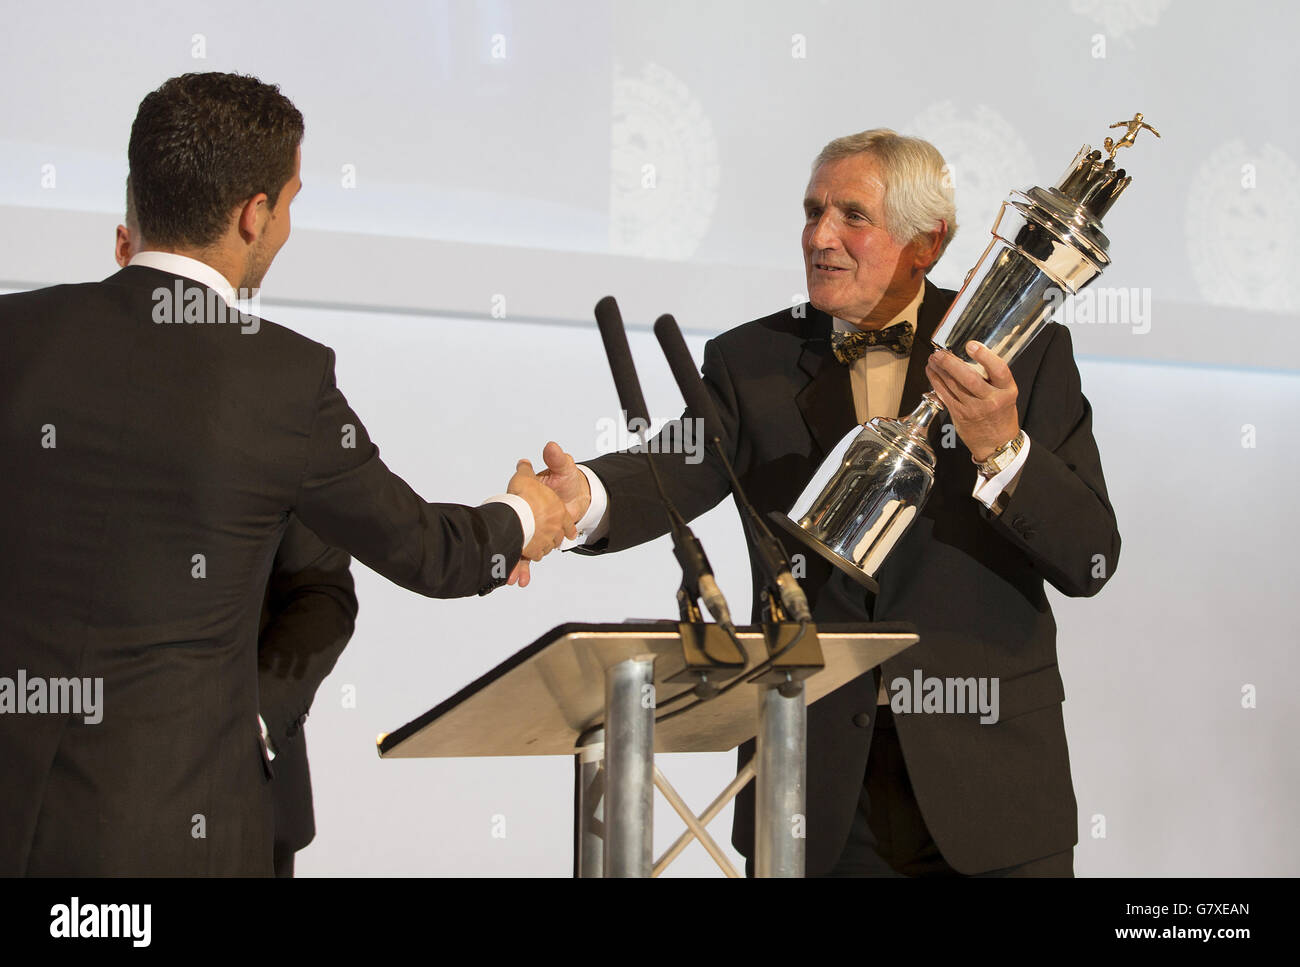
x=852, y=346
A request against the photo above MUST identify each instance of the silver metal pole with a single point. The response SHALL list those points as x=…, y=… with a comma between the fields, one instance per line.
x=589, y=804
x=779, y=802
x=629, y=767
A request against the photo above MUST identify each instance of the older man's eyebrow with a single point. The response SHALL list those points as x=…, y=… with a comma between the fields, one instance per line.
x=843, y=204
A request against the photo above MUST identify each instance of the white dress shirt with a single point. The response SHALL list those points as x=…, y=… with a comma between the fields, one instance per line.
x=183, y=265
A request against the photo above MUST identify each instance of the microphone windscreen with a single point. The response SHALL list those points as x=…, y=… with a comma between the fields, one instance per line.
x=612, y=333
x=687, y=376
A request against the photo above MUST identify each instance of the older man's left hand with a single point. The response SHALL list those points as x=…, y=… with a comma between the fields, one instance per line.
x=982, y=410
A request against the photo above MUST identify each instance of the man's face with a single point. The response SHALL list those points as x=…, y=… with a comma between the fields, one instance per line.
x=275, y=230
x=855, y=269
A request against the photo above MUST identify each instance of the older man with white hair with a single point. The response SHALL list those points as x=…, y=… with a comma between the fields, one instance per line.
x=897, y=786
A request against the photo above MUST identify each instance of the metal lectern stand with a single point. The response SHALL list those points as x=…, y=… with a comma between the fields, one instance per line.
x=595, y=692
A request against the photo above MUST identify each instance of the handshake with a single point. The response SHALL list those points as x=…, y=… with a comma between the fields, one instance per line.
x=559, y=497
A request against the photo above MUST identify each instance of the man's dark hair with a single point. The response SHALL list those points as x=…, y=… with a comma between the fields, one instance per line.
x=201, y=145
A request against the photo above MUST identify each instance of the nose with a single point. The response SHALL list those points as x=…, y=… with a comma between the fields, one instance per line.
x=821, y=234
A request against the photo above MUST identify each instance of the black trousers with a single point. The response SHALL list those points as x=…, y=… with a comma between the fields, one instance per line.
x=889, y=836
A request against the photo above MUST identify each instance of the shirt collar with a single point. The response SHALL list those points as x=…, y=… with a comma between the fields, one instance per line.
x=908, y=315
x=183, y=265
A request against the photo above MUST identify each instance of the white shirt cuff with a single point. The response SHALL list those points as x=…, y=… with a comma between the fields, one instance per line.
x=988, y=491
x=595, y=523
x=522, y=509
x=266, y=738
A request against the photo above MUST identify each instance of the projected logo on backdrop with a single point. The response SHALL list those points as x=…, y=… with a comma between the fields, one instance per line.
x=663, y=167
x=1243, y=227
x=1121, y=17
x=986, y=159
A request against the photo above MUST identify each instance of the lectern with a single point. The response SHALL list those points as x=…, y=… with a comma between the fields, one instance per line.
x=612, y=695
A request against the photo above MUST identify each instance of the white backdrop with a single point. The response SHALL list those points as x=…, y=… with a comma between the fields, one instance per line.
x=468, y=158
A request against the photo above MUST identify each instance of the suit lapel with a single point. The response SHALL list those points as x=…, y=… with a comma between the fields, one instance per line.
x=933, y=306
x=827, y=401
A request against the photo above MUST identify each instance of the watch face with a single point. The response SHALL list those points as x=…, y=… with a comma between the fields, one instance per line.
x=1001, y=458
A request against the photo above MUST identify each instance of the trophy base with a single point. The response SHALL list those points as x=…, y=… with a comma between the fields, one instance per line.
x=821, y=550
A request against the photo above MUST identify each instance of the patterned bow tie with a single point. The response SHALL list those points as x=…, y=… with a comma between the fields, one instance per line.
x=852, y=346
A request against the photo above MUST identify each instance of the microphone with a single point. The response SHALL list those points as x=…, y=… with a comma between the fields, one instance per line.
x=770, y=554
x=697, y=573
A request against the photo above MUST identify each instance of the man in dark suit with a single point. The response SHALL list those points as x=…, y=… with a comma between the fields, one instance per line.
x=308, y=615
x=160, y=441
x=934, y=791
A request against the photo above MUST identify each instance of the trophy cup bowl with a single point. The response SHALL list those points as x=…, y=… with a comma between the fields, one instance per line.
x=1047, y=243
x=863, y=497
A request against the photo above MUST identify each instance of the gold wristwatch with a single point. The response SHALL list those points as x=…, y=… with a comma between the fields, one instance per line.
x=1001, y=458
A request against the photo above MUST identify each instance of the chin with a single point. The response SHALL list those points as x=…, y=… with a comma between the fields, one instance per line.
x=819, y=301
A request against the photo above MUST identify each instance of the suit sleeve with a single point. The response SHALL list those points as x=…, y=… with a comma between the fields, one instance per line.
x=1059, y=514
x=352, y=501
x=311, y=607
x=691, y=472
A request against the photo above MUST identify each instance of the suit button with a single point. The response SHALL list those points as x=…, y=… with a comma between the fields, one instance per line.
x=862, y=720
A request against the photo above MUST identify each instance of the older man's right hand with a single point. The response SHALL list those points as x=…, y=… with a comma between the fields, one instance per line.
x=563, y=476
x=551, y=520
x=569, y=484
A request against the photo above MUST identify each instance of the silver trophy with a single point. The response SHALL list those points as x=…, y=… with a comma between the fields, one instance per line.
x=1047, y=242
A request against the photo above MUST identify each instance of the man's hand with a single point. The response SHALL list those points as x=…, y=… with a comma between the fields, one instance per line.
x=550, y=517
x=570, y=485
x=982, y=410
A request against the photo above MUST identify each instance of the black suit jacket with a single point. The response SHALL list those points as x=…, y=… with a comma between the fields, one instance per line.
x=308, y=617
x=972, y=583
x=150, y=472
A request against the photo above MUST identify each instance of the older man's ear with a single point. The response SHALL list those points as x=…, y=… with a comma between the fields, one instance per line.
x=929, y=246
x=122, y=247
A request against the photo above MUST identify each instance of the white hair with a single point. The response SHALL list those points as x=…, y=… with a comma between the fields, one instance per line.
x=918, y=185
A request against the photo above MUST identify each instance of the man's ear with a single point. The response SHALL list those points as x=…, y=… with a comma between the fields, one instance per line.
x=252, y=217
x=929, y=245
x=122, y=247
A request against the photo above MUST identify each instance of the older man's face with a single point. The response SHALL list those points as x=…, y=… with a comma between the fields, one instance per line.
x=855, y=269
